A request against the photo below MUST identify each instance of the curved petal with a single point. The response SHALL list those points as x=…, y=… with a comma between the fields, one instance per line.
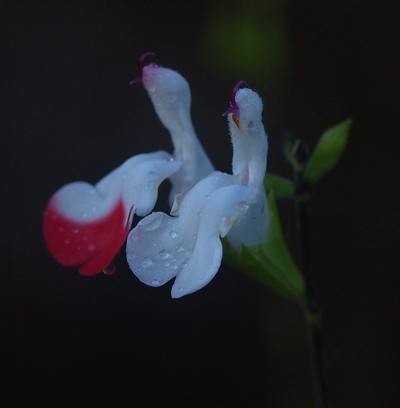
x=171, y=98
x=93, y=244
x=86, y=225
x=253, y=227
x=187, y=246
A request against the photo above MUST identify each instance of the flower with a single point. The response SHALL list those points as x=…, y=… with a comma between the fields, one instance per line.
x=186, y=245
x=86, y=225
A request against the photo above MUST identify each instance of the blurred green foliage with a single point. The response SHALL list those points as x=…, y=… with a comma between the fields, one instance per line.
x=247, y=39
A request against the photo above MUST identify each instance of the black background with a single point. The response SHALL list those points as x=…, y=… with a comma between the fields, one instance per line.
x=68, y=113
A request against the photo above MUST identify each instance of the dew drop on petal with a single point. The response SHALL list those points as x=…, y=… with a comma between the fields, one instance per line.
x=167, y=264
x=173, y=234
x=183, y=265
x=75, y=231
x=109, y=270
x=242, y=206
x=200, y=214
x=175, y=267
x=131, y=256
x=91, y=247
x=155, y=282
x=188, y=254
x=146, y=263
x=179, y=248
x=138, y=187
x=152, y=176
x=163, y=254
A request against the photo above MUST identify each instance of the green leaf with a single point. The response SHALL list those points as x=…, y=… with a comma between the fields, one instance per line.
x=283, y=187
x=271, y=262
x=328, y=151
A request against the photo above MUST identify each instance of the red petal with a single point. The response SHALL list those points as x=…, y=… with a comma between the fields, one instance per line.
x=90, y=244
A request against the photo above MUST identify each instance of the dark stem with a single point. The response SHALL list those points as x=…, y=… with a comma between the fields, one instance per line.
x=310, y=305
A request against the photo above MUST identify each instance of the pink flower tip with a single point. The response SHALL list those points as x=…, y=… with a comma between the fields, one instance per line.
x=141, y=65
x=234, y=108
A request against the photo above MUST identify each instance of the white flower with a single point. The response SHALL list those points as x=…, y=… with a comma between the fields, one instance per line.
x=186, y=245
x=87, y=225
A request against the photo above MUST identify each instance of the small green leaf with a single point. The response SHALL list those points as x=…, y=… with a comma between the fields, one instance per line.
x=271, y=262
x=328, y=151
x=283, y=187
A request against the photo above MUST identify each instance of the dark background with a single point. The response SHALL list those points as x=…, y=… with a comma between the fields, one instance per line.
x=68, y=113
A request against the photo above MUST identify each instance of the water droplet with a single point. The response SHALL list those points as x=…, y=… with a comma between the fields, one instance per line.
x=175, y=267
x=183, y=265
x=167, y=264
x=131, y=256
x=75, y=231
x=133, y=237
x=155, y=282
x=173, y=234
x=200, y=214
x=110, y=269
x=138, y=187
x=91, y=247
x=61, y=229
x=67, y=241
x=154, y=244
x=150, y=223
x=152, y=176
x=223, y=218
x=163, y=254
x=188, y=254
x=179, y=248
x=146, y=263
x=242, y=206
x=171, y=159
x=180, y=289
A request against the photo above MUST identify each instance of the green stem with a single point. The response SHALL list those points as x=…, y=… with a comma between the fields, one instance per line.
x=310, y=305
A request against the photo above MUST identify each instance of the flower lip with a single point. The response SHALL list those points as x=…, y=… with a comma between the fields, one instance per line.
x=141, y=66
x=234, y=108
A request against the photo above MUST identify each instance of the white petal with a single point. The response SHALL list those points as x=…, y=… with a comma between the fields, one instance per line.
x=253, y=227
x=188, y=245
x=170, y=95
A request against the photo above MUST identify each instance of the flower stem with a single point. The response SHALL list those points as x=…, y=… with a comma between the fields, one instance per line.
x=309, y=305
